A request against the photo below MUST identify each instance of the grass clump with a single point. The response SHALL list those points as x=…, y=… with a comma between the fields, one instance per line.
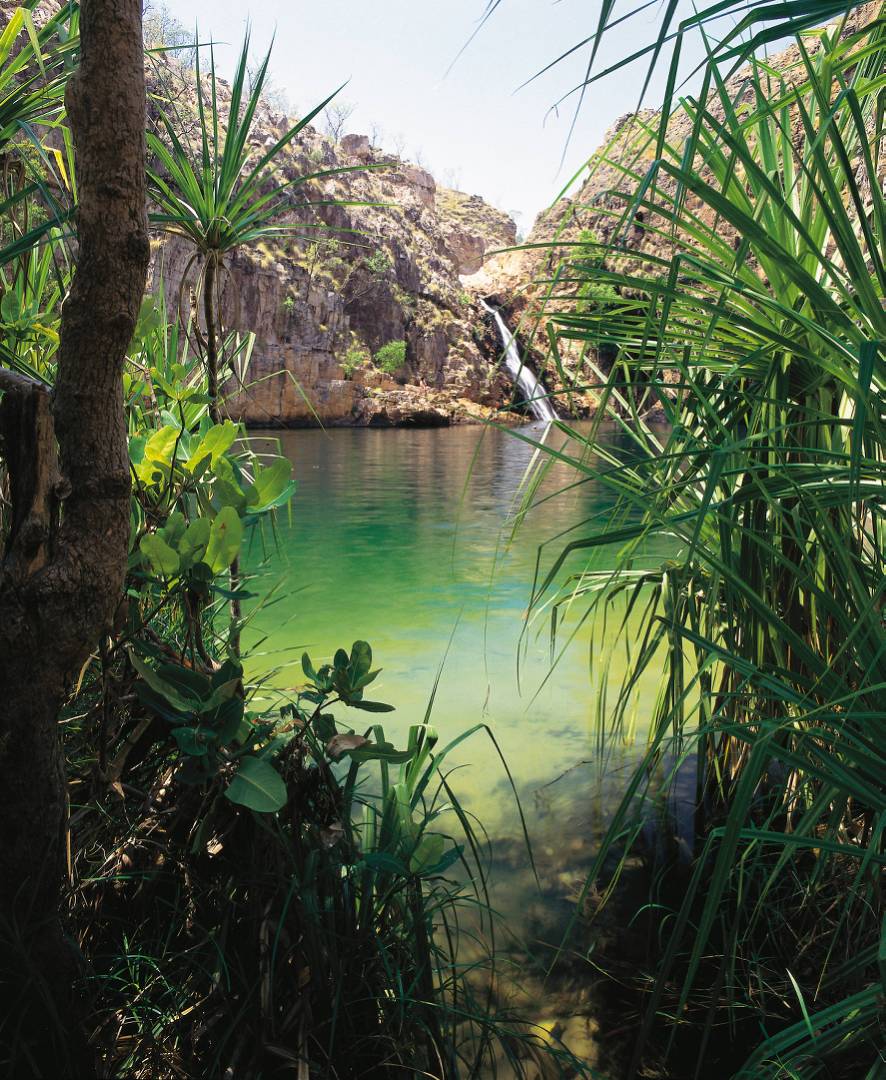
x=317, y=896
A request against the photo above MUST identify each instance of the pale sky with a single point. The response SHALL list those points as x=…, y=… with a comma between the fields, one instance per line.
x=472, y=127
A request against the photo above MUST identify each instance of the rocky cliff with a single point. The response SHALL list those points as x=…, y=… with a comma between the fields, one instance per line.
x=380, y=263
x=366, y=275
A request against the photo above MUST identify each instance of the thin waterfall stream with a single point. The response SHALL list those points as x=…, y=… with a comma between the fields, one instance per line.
x=536, y=396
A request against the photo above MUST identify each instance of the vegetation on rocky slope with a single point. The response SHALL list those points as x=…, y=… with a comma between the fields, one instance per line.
x=368, y=253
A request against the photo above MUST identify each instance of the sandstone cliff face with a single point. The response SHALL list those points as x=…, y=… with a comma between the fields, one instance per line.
x=472, y=229
x=369, y=257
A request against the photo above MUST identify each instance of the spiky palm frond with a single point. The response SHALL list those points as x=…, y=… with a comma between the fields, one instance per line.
x=762, y=296
x=225, y=193
x=34, y=66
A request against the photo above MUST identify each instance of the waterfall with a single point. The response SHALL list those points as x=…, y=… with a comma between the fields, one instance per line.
x=535, y=394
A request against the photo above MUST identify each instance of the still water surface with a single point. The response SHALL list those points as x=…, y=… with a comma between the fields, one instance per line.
x=404, y=538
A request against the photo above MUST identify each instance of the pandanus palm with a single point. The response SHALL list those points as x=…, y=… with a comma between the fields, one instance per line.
x=223, y=193
x=762, y=293
x=34, y=68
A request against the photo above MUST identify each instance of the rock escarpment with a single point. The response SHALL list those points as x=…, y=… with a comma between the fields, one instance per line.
x=472, y=229
x=366, y=274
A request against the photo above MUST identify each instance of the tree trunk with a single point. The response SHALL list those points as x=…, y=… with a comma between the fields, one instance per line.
x=209, y=280
x=210, y=302
x=64, y=561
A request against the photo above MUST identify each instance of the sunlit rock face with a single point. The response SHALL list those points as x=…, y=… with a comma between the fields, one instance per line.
x=344, y=281
x=472, y=229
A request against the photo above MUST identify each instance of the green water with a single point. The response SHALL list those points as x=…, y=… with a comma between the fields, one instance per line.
x=404, y=538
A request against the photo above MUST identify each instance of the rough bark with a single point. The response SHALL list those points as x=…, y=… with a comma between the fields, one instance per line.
x=65, y=555
x=209, y=282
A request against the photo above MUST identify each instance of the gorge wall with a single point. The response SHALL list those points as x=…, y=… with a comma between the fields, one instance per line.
x=376, y=255
x=370, y=258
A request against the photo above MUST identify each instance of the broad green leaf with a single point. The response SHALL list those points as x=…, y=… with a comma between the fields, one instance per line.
x=228, y=493
x=223, y=693
x=345, y=743
x=324, y=727
x=173, y=421
x=428, y=852
x=371, y=706
x=448, y=859
x=227, y=720
x=183, y=702
x=369, y=677
x=215, y=442
x=381, y=752
x=225, y=537
x=157, y=704
x=160, y=556
x=230, y=669
x=385, y=862
x=137, y=444
x=9, y=307
x=361, y=661
x=149, y=319
x=272, y=485
x=257, y=786
x=161, y=444
x=192, y=545
x=174, y=529
x=190, y=741
x=188, y=682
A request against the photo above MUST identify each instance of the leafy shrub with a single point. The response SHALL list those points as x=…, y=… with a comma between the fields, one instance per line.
x=301, y=862
x=378, y=263
x=391, y=357
x=354, y=358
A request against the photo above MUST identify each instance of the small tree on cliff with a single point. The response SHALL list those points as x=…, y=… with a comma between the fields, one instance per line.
x=65, y=545
x=336, y=117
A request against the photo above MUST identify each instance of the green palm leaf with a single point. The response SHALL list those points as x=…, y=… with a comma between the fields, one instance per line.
x=759, y=322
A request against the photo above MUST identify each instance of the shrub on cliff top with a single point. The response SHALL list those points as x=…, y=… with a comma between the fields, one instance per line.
x=378, y=263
